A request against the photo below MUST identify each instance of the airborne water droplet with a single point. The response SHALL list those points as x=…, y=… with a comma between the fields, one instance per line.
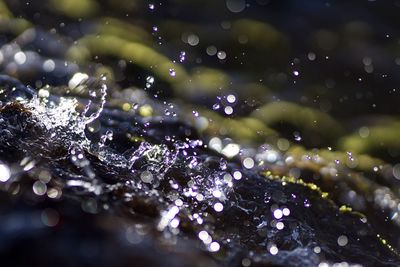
x=172, y=72
x=149, y=81
x=216, y=106
x=182, y=56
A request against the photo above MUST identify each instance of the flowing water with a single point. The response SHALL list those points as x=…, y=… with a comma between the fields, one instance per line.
x=121, y=146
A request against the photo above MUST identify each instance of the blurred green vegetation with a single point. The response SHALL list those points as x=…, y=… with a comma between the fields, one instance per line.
x=329, y=80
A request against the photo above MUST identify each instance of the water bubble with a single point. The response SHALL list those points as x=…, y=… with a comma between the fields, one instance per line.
x=155, y=28
x=151, y=6
x=296, y=73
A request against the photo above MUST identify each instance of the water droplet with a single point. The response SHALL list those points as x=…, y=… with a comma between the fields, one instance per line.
x=237, y=175
x=77, y=79
x=273, y=250
x=286, y=211
x=218, y=207
x=297, y=136
x=231, y=98
x=280, y=225
x=50, y=217
x=278, y=214
x=39, y=188
x=203, y=235
x=212, y=50
x=317, y=250
x=182, y=56
x=236, y=6
x=149, y=81
x=248, y=163
x=228, y=110
x=5, y=173
x=193, y=39
x=172, y=72
x=342, y=240
x=20, y=58
x=221, y=55
x=146, y=177
x=214, y=247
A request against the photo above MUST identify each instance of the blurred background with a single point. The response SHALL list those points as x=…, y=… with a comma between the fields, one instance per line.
x=312, y=77
x=332, y=62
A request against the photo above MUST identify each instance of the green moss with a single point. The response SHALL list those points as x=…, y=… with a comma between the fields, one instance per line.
x=204, y=82
x=380, y=138
x=123, y=30
x=4, y=11
x=306, y=119
x=242, y=130
x=14, y=25
x=133, y=52
x=259, y=34
x=75, y=8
